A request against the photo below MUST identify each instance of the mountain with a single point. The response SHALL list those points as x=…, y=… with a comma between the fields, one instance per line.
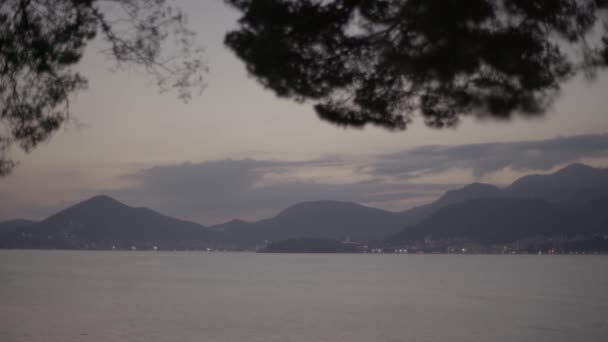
x=568, y=202
x=497, y=220
x=330, y=219
x=320, y=219
x=575, y=196
x=230, y=226
x=574, y=182
x=13, y=225
x=103, y=222
x=469, y=192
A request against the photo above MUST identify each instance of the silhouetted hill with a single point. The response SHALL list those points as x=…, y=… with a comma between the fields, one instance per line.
x=567, y=202
x=469, y=192
x=230, y=226
x=571, y=200
x=498, y=220
x=330, y=219
x=102, y=221
x=320, y=219
x=13, y=225
x=565, y=184
x=575, y=186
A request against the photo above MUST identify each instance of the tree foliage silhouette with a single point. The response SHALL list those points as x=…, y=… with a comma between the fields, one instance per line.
x=381, y=61
x=42, y=40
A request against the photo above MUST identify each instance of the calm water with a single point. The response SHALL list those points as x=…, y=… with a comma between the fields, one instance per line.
x=145, y=296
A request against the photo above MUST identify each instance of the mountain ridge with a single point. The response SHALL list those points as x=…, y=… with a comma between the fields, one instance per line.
x=103, y=219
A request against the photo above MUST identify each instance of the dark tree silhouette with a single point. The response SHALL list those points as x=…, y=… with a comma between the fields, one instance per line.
x=41, y=41
x=381, y=61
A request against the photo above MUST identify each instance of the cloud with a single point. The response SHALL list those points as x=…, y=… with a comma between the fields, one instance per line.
x=489, y=157
x=220, y=190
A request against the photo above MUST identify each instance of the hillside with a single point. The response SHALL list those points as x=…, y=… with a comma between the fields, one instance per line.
x=12, y=225
x=103, y=222
x=320, y=219
x=569, y=183
x=497, y=220
x=468, y=192
x=569, y=201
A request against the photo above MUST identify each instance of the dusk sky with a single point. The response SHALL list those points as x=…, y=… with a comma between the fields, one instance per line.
x=237, y=151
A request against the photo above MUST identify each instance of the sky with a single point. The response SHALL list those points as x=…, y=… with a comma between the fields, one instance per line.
x=237, y=151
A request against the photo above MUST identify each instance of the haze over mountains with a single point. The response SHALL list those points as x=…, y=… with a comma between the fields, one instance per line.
x=568, y=202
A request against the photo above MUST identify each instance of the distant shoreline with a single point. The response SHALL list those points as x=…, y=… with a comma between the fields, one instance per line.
x=296, y=253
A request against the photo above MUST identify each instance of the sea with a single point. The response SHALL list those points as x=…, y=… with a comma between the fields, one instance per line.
x=63, y=296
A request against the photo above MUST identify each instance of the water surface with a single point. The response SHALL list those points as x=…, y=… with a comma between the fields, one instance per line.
x=63, y=296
